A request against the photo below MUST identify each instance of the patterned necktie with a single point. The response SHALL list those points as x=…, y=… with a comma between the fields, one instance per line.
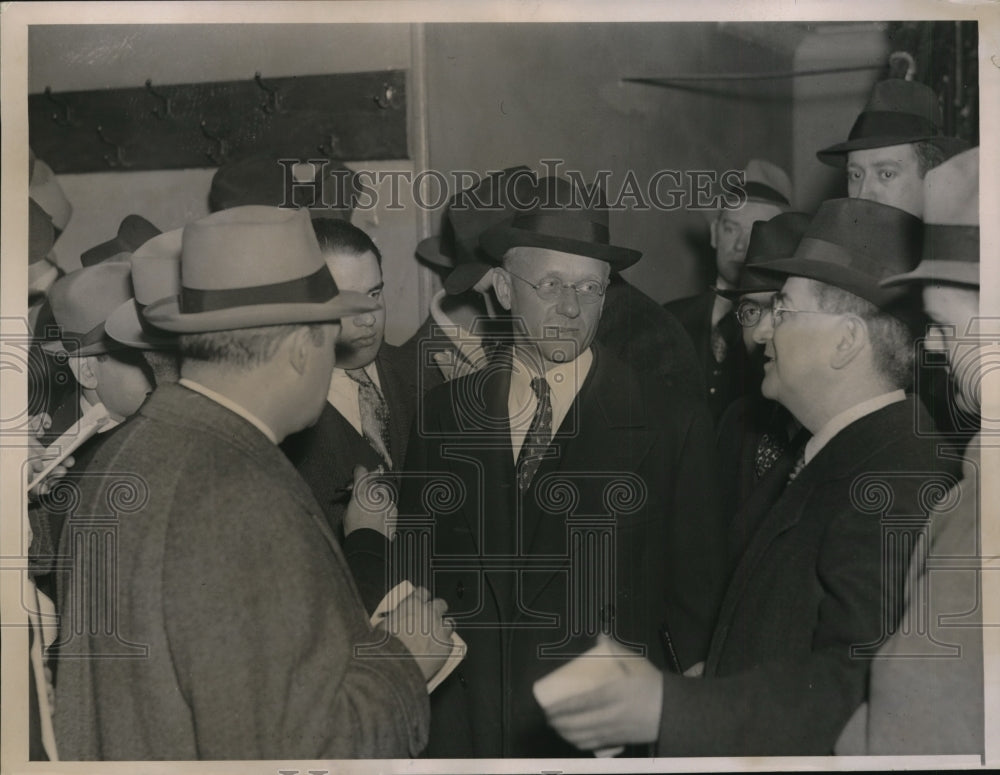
x=538, y=437
x=769, y=450
x=374, y=414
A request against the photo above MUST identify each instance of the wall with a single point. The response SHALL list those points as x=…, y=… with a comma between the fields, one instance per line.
x=507, y=94
x=70, y=58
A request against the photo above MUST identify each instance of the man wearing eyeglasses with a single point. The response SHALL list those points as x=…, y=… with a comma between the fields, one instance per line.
x=559, y=491
x=817, y=590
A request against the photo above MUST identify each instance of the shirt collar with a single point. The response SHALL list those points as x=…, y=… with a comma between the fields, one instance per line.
x=565, y=379
x=837, y=423
x=456, y=332
x=721, y=305
x=231, y=405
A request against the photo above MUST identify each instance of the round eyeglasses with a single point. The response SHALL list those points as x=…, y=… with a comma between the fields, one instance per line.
x=749, y=313
x=550, y=288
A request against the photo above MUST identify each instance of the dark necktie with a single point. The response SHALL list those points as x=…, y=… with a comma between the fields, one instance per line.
x=374, y=414
x=769, y=449
x=538, y=437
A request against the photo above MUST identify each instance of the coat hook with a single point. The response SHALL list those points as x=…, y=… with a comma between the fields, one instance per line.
x=65, y=115
x=119, y=159
x=385, y=99
x=220, y=152
x=167, y=111
x=330, y=148
x=272, y=104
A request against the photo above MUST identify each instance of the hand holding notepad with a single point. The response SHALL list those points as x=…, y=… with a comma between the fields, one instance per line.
x=404, y=594
x=604, y=698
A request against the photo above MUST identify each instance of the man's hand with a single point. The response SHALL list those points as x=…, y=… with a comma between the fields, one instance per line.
x=623, y=711
x=419, y=623
x=371, y=505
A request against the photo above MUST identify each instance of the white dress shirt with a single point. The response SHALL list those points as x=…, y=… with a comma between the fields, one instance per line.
x=565, y=380
x=343, y=394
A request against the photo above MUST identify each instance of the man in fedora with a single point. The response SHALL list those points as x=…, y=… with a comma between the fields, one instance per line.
x=465, y=315
x=557, y=490
x=925, y=691
x=373, y=392
x=232, y=628
x=813, y=595
x=895, y=140
x=708, y=317
x=758, y=440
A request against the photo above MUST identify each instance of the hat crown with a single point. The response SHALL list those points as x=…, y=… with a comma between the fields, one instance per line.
x=82, y=300
x=156, y=268
x=951, y=191
x=765, y=181
x=473, y=210
x=775, y=238
x=248, y=246
x=895, y=95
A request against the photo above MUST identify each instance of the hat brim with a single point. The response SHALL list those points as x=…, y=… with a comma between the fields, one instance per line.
x=500, y=239
x=843, y=277
x=836, y=155
x=106, y=345
x=465, y=275
x=166, y=314
x=429, y=250
x=956, y=272
x=734, y=293
x=123, y=325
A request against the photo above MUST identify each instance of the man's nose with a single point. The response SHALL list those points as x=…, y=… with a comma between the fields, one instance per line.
x=866, y=187
x=569, y=302
x=764, y=330
x=740, y=245
x=364, y=320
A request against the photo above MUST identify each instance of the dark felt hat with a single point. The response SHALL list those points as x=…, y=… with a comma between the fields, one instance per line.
x=133, y=232
x=328, y=189
x=951, y=225
x=470, y=213
x=769, y=240
x=854, y=244
x=562, y=218
x=898, y=112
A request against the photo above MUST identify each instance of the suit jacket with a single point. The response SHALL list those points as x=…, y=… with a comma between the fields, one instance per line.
x=614, y=533
x=326, y=453
x=805, y=610
x=925, y=692
x=236, y=629
x=726, y=381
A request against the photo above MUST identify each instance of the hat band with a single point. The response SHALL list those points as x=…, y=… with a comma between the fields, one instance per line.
x=757, y=190
x=566, y=226
x=73, y=341
x=946, y=242
x=813, y=249
x=316, y=288
x=879, y=123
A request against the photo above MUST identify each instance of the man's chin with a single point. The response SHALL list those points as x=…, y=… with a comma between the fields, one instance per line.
x=351, y=357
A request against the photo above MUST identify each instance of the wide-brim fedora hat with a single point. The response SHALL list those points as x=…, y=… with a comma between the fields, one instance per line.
x=854, y=244
x=133, y=232
x=81, y=303
x=898, y=112
x=470, y=213
x=328, y=189
x=951, y=225
x=770, y=240
x=156, y=274
x=562, y=218
x=253, y=266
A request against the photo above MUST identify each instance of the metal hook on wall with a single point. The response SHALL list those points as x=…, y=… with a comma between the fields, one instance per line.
x=385, y=99
x=220, y=152
x=119, y=158
x=272, y=104
x=65, y=115
x=330, y=148
x=167, y=111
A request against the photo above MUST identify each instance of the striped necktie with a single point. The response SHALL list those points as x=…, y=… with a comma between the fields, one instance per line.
x=538, y=437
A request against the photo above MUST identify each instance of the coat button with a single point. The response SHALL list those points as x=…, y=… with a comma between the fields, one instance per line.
x=460, y=590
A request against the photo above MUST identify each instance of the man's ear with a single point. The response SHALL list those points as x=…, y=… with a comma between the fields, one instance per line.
x=84, y=368
x=853, y=338
x=501, y=287
x=300, y=344
x=712, y=232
